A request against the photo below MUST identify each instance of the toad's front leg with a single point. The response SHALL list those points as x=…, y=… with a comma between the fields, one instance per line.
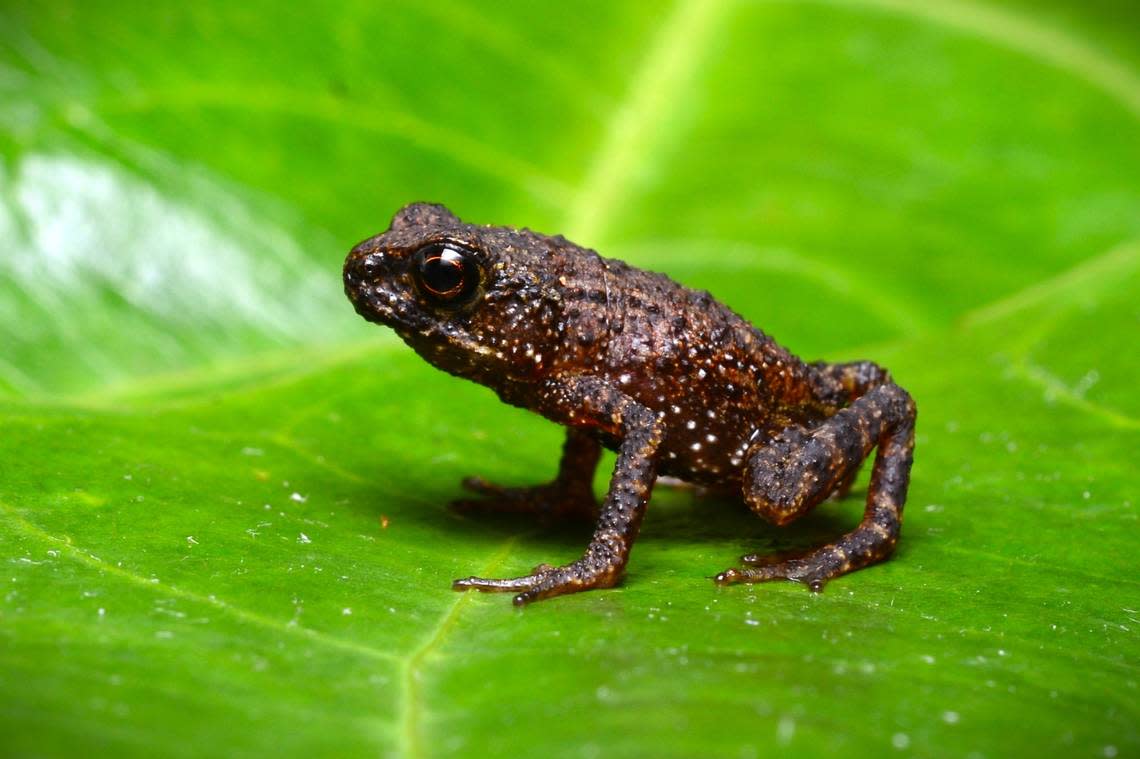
x=589, y=402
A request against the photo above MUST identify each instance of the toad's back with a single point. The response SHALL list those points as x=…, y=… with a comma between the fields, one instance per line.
x=720, y=385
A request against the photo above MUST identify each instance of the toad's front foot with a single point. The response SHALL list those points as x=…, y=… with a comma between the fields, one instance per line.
x=546, y=581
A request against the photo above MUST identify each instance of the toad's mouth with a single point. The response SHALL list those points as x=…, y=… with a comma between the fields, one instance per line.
x=374, y=304
x=389, y=298
x=456, y=354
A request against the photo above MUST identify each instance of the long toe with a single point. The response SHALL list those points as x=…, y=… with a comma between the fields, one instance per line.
x=795, y=570
x=481, y=486
x=489, y=585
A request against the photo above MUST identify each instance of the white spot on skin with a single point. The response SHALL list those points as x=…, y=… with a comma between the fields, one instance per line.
x=690, y=425
x=710, y=438
x=695, y=446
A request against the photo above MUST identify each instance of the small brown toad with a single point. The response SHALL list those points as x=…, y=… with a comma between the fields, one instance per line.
x=673, y=381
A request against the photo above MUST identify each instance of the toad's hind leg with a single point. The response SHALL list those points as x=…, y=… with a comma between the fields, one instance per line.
x=801, y=468
x=570, y=495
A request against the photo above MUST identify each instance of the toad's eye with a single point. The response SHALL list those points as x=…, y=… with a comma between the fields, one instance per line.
x=446, y=273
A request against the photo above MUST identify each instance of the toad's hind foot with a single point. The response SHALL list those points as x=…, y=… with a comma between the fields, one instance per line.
x=569, y=496
x=801, y=467
x=869, y=543
x=554, y=501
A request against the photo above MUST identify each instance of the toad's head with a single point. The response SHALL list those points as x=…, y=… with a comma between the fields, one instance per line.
x=476, y=301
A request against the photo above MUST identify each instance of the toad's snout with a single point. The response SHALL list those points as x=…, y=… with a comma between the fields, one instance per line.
x=365, y=270
x=364, y=264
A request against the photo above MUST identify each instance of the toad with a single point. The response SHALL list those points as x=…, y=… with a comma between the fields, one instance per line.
x=670, y=379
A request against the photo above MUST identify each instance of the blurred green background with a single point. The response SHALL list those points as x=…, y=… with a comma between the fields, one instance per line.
x=223, y=496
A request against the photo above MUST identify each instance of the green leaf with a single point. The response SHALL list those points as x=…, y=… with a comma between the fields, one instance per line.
x=223, y=496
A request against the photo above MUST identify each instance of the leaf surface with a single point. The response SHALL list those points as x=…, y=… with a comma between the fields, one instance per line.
x=223, y=496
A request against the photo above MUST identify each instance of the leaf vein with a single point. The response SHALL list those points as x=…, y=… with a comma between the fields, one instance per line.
x=1090, y=275
x=1040, y=41
x=637, y=127
x=1056, y=390
x=21, y=524
x=411, y=691
x=389, y=121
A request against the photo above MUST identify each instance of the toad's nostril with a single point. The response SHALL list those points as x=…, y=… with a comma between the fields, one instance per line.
x=363, y=267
